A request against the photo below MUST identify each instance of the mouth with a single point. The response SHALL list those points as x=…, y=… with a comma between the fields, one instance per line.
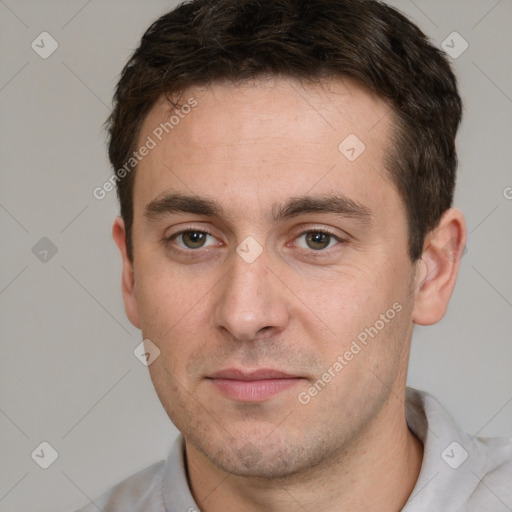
x=252, y=386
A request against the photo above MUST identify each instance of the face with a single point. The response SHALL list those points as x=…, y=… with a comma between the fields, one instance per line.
x=271, y=271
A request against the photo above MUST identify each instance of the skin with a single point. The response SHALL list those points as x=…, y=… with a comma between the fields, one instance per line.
x=250, y=148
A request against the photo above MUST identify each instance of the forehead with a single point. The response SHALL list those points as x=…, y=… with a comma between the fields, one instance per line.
x=259, y=142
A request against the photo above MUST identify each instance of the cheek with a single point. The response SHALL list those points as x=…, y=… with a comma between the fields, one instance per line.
x=165, y=296
x=173, y=393
x=173, y=314
x=347, y=300
x=365, y=309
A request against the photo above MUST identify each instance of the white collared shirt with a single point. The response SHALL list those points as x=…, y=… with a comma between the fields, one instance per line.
x=459, y=473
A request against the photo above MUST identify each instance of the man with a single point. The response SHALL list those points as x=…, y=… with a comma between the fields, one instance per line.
x=285, y=172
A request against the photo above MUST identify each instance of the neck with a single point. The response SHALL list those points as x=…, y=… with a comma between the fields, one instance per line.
x=377, y=471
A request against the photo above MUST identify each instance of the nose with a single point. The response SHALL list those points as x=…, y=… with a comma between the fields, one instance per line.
x=250, y=300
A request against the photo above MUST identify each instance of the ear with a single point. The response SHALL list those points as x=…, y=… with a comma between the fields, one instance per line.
x=438, y=268
x=128, y=278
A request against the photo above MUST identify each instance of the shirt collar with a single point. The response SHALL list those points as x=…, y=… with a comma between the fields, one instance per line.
x=445, y=445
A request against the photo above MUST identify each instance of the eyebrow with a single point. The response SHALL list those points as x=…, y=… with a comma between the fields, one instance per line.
x=180, y=203
x=339, y=204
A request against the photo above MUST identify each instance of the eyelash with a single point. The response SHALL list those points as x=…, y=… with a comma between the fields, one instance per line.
x=168, y=240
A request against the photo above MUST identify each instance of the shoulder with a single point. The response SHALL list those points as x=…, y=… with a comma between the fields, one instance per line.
x=459, y=472
x=493, y=475
x=141, y=492
x=161, y=487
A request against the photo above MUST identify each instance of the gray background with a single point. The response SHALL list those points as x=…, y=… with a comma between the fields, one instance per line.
x=68, y=375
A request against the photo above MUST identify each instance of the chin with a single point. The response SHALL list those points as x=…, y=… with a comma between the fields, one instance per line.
x=249, y=461
x=263, y=458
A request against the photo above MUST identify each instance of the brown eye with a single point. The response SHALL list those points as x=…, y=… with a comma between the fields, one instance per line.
x=317, y=240
x=193, y=239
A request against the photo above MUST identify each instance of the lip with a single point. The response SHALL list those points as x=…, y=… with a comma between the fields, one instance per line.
x=252, y=386
x=247, y=375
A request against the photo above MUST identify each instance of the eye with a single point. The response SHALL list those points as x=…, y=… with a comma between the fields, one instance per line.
x=317, y=240
x=193, y=239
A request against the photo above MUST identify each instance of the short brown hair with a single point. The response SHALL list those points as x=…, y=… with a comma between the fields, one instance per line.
x=201, y=42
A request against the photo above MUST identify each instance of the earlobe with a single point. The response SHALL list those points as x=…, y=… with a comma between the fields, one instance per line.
x=128, y=276
x=437, y=271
